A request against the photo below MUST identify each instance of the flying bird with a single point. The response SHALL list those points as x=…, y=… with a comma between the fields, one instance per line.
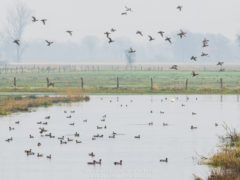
x=44, y=21
x=110, y=40
x=107, y=34
x=124, y=13
x=204, y=54
x=179, y=8
x=161, y=33
x=69, y=32
x=168, y=39
x=174, y=67
x=128, y=9
x=113, y=30
x=205, y=45
x=194, y=73
x=17, y=42
x=34, y=19
x=205, y=42
x=151, y=38
x=49, y=43
x=131, y=50
x=194, y=58
x=220, y=63
x=139, y=32
x=182, y=34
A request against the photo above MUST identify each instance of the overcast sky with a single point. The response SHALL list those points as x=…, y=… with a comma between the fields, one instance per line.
x=94, y=17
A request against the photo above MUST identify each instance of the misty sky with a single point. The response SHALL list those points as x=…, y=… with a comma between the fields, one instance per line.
x=93, y=17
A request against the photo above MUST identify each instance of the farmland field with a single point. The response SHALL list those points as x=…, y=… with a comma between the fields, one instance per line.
x=127, y=79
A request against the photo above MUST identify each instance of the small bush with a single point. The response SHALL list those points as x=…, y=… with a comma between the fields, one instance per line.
x=18, y=98
x=32, y=97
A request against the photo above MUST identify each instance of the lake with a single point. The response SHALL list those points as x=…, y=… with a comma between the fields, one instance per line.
x=128, y=116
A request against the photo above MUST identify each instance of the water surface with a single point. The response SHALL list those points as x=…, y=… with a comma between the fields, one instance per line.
x=129, y=116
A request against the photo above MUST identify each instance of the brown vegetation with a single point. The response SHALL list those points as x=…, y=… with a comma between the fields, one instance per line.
x=223, y=174
x=227, y=160
x=128, y=90
x=18, y=103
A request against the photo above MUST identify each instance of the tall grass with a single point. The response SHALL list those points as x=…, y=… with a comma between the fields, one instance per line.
x=227, y=160
x=127, y=90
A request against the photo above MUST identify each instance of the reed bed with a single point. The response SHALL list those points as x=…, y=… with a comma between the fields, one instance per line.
x=10, y=105
x=226, y=161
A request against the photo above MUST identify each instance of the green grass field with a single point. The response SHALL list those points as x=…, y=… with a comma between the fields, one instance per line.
x=139, y=81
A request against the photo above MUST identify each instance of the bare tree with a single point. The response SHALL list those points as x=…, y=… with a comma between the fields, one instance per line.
x=17, y=20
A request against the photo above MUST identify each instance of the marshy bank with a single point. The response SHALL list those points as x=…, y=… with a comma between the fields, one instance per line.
x=11, y=104
x=225, y=162
x=124, y=90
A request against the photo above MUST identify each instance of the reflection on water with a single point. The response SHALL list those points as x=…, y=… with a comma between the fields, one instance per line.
x=128, y=116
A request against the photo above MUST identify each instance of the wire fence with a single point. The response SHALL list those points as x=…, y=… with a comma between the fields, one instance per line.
x=72, y=68
x=120, y=82
x=114, y=76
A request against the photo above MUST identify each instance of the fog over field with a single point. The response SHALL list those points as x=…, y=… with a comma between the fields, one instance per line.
x=94, y=49
x=90, y=19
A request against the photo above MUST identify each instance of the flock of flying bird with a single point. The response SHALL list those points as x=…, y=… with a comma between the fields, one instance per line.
x=181, y=35
x=44, y=21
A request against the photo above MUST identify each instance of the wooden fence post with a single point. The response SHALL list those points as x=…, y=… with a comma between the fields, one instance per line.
x=82, y=83
x=47, y=82
x=221, y=83
x=117, y=82
x=186, y=84
x=15, y=82
x=151, y=84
